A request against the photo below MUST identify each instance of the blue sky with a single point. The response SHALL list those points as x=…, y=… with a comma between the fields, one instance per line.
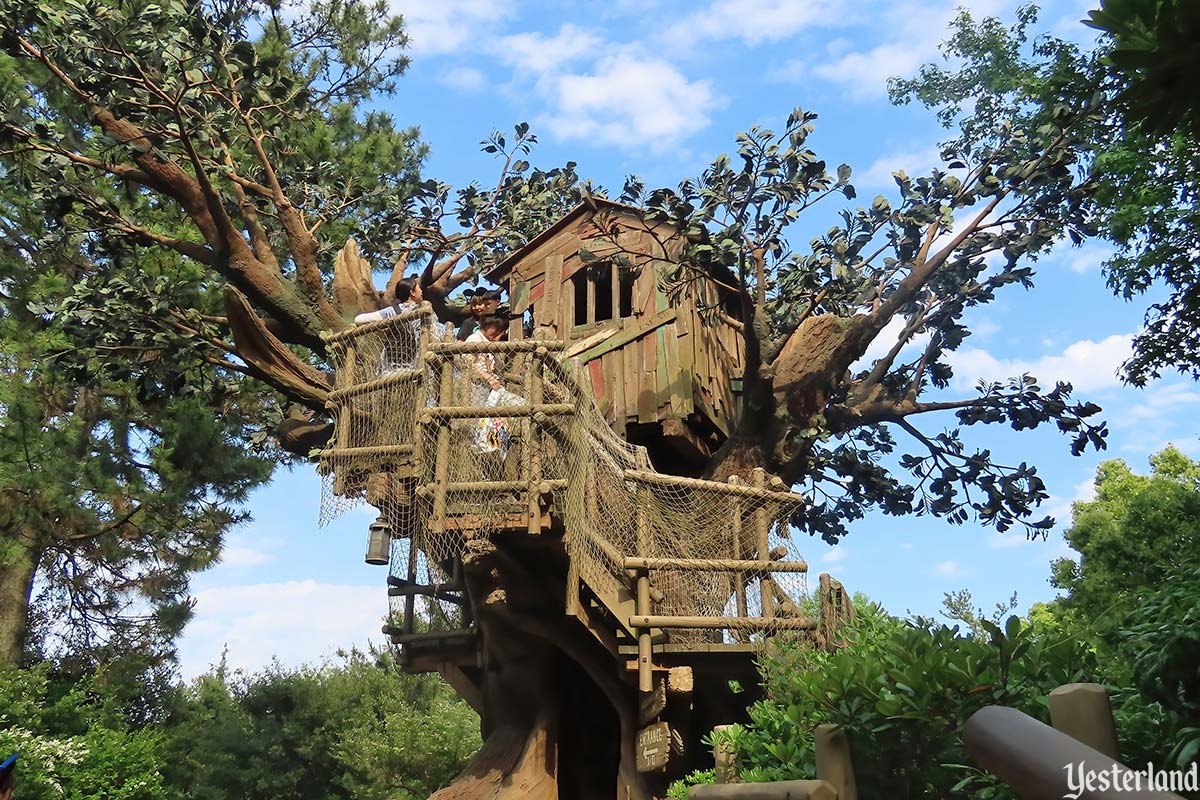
x=659, y=89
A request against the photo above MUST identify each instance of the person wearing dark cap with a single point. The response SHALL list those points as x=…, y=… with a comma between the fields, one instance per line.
x=6, y=777
x=480, y=303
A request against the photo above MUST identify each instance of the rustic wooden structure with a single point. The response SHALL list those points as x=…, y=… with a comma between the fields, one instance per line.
x=658, y=588
x=664, y=373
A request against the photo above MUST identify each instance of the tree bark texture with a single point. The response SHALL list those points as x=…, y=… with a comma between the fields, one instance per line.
x=16, y=587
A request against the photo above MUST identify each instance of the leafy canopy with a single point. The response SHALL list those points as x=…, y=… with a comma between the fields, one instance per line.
x=1134, y=102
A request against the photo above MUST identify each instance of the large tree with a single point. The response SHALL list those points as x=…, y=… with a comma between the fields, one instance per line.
x=190, y=128
x=122, y=463
x=1135, y=115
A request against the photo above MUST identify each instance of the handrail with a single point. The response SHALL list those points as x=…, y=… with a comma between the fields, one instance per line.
x=740, y=490
x=354, y=331
x=1037, y=761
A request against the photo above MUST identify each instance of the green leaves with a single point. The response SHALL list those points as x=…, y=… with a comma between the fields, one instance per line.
x=902, y=691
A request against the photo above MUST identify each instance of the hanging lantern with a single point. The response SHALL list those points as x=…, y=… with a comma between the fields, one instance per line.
x=379, y=543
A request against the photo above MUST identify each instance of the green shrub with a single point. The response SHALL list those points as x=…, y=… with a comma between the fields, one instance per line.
x=902, y=691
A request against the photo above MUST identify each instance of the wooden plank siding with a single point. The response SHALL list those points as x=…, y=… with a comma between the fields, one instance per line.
x=663, y=361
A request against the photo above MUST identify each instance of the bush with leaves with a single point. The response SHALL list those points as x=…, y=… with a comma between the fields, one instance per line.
x=902, y=691
x=357, y=728
x=71, y=746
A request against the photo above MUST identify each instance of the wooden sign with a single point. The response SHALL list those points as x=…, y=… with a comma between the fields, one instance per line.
x=654, y=747
x=653, y=702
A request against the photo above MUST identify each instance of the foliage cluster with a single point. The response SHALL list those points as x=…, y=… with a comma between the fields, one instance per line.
x=1135, y=115
x=357, y=728
x=903, y=689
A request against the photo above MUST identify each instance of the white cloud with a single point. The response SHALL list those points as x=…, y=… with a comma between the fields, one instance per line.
x=538, y=53
x=948, y=569
x=887, y=339
x=238, y=557
x=1004, y=541
x=1159, y=401
x=834, y=556
x=865, y=73
x=1086, y=365
x=911, y=33
x=917, y=161
x=604, y=92
x=296, y=622
x=465, y=79
x=627, y=99
x=984, y=328
x=752, y=21
x=443, y=26
x=1082, y=260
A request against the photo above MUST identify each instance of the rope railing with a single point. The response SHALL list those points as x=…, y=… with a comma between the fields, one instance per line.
x=410, y=395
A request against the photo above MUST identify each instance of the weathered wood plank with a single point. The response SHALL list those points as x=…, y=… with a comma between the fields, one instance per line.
x=613, y=372
x=664, y=377
x=653, y=748
x=630, y=333
x=596, y=371
x=653, y=702
x=552, y=300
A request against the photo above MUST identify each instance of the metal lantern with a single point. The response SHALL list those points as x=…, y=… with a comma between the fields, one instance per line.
x=379, y=543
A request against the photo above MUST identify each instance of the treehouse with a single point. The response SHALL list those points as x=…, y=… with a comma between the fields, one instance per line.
x=665, y=373
x=546, y=556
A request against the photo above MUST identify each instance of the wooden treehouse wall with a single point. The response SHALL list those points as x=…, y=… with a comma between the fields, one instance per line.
x=662, y=364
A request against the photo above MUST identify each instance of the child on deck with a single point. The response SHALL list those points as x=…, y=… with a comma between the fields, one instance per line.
x=406, y=296
x=487, y=388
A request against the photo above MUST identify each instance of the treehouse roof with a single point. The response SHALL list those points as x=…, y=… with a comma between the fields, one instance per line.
x=500, y=272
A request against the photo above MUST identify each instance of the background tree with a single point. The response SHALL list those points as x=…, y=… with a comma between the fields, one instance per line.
x=192, y=129
x=356, y=728
x=122, y=462
x=1138, y=530
x=1136, y=121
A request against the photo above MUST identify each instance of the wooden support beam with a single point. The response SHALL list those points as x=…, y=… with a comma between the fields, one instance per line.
x=540, y=490
x=428, y=636
x=436, y=591
x=714, y=565
x=739, y=577
x=344, y=337
x=762, y=532
x=441, y=456
x=716, y=487
x=483, y=412
x=335, y=397
x=723, y=623
x=377, y=450
x=629, y=334
x=645, y=678
x=452, y=347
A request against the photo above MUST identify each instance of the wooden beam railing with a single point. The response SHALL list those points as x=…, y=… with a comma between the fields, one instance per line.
x=1038, y=761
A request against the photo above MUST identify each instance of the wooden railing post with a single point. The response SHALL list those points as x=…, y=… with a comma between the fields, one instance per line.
x=441, y=456
x=724, y=759
x=645, y=673
x=739, y=578
x=421, y=393
x=343, y=377
x=531, y=451
x=1083, y=712
x=762, y=533
x=834, y=762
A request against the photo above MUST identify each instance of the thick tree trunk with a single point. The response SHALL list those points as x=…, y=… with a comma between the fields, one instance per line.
x=16, y=587
x=559, y=721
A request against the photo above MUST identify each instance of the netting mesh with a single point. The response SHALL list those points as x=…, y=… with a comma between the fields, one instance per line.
x=455, y=443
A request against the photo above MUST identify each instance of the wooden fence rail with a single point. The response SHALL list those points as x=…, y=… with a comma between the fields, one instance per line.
x=1033, y=758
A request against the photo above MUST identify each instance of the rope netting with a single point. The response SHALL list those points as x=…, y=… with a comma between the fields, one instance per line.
x=459, y=443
